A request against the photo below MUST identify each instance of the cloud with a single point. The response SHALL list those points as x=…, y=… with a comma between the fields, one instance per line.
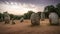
x=19, y=8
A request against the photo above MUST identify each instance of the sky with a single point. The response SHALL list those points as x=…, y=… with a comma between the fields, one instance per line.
x=19, y=7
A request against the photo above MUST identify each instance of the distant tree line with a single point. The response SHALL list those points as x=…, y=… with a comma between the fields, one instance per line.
x=27, y=15
x=52, y=8
x=17, y=17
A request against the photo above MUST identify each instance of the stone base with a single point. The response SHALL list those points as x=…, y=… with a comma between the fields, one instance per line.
x=6, y=22
x=54, y=24
x=13, y=22
x=35, y=23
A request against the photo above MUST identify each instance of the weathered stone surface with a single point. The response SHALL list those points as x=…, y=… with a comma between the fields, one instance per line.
x=13, y=22
x=6, y=18
x=42, y=16
x=35, y=19
x=22, y=19
x=53, y=18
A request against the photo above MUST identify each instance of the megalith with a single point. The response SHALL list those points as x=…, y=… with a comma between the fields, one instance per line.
x=53, y=18
x=22, y=20
x=42, y=16
x=35, y=19
x=13, y=22
x=6, y=18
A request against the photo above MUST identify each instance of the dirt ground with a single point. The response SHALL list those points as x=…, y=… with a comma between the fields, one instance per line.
x=26, y=28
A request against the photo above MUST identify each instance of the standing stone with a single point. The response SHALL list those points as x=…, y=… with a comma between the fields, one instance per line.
x=35, y=19
x=13, y=21
x=6, y=18
x=22, y=19
x=42, y=16
x=53, y=18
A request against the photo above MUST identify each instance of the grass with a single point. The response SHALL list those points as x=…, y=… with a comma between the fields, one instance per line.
x=25, y=28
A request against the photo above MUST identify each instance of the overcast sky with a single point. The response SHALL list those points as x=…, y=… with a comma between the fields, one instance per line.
x=19, y=7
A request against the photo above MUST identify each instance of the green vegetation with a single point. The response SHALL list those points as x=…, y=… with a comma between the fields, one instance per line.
x=52, y=8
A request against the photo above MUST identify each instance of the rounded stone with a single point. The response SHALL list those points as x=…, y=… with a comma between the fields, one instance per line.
x=53, y=18
x=35, y=19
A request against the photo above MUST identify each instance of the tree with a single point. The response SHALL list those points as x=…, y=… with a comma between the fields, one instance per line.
x=58, y=9
x=28, y=14
x=1, y=17
x=39, y=13
x=49, y=9
x=11, y=16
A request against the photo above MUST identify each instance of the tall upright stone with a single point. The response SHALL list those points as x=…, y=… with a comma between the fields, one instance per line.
x=42, y=16
x=35, y=19
x=6, y=18
x=22, y=20
x=53, y=18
